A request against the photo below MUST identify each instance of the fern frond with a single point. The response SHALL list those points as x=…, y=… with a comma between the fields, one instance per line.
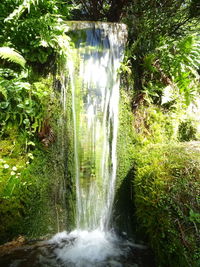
x=21, y=8
x=3, y=92
x=11, y=55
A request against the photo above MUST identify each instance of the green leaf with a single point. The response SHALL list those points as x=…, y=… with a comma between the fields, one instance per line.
x=20, y=105
x=26, y=121
x=26, y=4
x=11, y=55
x=4, y=105
x=194, y=216
x=3, y=92
x=30, y=143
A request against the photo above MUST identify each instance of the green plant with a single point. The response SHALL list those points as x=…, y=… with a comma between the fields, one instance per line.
x=187, y=131
x=35, y=28
x=22, y=104
x=166, y=186
x=11, y=55
x=180, y=63
x=154, y=125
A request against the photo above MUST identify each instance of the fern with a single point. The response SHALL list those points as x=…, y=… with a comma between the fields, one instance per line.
x=21, y=8
x=11, y=55
x=179, y=62
x=3, y=92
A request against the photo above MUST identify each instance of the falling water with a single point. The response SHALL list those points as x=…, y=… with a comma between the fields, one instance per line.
x=95, y=95
x=93, y=73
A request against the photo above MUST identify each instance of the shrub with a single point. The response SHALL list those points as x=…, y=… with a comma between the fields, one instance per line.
x=187, y=131
x=167, y=198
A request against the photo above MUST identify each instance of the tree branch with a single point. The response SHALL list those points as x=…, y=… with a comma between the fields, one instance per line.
x=178, y=26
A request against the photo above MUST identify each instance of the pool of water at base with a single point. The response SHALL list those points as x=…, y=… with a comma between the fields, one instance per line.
x=80, y=249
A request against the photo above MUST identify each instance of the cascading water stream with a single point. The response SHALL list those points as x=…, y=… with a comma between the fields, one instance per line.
x=93, y=74
x=95, y=95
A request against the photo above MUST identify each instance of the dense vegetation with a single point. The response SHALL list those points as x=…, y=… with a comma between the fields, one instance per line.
x=158, y=181
x=160, y=80
x=167, y=202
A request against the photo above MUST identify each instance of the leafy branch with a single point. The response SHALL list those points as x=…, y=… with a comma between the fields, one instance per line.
x=21, y=9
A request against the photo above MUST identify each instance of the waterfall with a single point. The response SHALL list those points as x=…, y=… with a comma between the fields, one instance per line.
x=93, y=70
x=92, y=79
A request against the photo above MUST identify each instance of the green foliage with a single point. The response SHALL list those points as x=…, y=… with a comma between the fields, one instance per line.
x=29, y=197
x=163, y=48
x=37, y=30
x=11, y=55
x=27, y=105
x=179, y=62
x=154, y=125
x=187, y=131
x=166, y=186
x=127, y=137
x=22, y=104
x=39, y=216
x=34, y=28
x=25, y=5
x=175, y=64
x=110, y=10
x=24, y=109
x=12, y=162
x=31, y=175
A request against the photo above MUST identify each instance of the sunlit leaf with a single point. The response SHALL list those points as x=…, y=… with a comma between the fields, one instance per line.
x=11, y=55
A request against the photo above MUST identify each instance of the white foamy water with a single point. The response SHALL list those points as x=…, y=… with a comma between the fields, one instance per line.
x=95, y=248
